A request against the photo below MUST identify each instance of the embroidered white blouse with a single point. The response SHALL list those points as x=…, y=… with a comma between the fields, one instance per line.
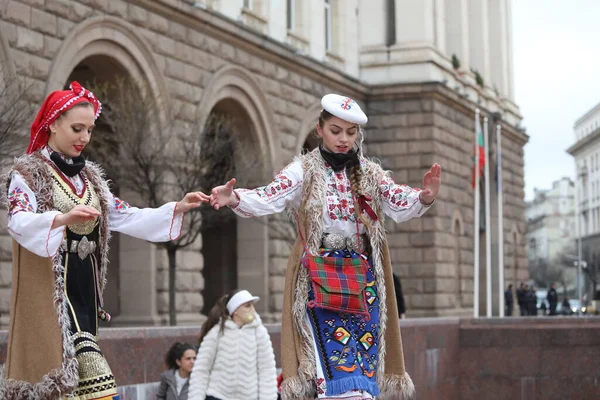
x=400, y=202
x=33, y=231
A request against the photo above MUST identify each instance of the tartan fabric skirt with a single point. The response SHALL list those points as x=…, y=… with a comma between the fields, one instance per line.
x=346, y=345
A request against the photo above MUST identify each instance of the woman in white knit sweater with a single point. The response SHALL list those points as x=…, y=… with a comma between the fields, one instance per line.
x=235, y=360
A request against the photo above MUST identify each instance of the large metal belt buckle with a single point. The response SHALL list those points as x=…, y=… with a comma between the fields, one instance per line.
x=336, y=241
x=83, y=248
x=356, y=243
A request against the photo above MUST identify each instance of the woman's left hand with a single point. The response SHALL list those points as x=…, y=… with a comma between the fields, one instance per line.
x=431, y=184
x=190, y=201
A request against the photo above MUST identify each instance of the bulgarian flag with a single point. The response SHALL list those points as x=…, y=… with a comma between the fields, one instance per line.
x=479, y=149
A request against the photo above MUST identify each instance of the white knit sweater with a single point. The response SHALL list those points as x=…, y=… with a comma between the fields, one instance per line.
x=236, y=365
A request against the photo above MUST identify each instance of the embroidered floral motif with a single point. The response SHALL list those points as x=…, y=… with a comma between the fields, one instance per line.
x=121, y=205
x=18, y=201
x=280, y=186
x=395, y=195
x=321, y=386
x=339, y=197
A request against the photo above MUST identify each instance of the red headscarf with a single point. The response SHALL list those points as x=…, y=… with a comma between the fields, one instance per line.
x=55, y=104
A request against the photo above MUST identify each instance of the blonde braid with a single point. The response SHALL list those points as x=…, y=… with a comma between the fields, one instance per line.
x=356, y=187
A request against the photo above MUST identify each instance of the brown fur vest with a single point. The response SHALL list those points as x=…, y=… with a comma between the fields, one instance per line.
x=41, y=361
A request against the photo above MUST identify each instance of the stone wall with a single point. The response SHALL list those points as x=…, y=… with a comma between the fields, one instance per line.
x=511, y=358
x=410, y=128
x=195, y=58
x=202, y=61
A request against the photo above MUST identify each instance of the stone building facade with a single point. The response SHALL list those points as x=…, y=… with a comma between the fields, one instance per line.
x=242, y=58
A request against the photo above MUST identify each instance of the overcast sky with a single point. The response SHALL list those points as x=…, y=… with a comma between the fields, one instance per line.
x=556, y=45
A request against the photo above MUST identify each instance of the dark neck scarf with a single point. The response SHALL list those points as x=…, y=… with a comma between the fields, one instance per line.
x=340, y=161
x=68, y=166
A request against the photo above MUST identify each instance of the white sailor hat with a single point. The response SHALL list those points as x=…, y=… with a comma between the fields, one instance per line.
x=344, y=108
x=241, y=297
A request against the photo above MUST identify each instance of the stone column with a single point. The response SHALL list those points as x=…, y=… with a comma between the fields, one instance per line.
x=499, y=27
x=373, y=14
x=457, y=30
x=479, y=34
x=137, y=290
x=418, y=54
x=414, y=22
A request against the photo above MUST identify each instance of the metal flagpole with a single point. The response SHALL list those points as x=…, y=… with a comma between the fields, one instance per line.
x=500, y=222
x=488, y=231
x=476, y=220
x=579, y=227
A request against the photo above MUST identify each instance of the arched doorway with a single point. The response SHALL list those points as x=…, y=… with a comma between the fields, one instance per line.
x=93, y=72
x=98, y=50
x=239, y=247
x=219, y=228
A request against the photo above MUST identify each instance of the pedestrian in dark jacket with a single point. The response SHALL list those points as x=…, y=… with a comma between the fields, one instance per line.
x=521, y=295
x=175, y=383
x=399, y=297
x=552, y=298
x=531, y=300
x=509, y=301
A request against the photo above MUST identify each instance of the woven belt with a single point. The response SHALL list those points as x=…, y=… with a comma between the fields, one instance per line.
x=83, y=247
x=336, y=241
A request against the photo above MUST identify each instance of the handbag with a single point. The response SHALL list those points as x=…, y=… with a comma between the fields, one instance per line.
x=338, y=284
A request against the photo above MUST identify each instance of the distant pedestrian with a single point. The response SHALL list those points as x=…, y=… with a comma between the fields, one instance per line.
x=509, y=301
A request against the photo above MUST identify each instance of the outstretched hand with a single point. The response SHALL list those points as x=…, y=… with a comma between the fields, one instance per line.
x=190, y=201
x=78, y=214
x=223, y=196
x=431, y=184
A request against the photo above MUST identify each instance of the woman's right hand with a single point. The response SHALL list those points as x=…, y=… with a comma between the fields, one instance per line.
x=223, y=196
x=77, y=215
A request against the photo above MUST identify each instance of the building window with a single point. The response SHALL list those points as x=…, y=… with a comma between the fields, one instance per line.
x=328, y=27
x=248, y=4
x=291, y=14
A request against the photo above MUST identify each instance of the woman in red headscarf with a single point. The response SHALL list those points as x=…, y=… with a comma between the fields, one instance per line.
x=60, y=215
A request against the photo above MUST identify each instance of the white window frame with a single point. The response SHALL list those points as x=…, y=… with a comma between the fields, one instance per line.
x=248, y=4
x=328, y=26
x=291, y=15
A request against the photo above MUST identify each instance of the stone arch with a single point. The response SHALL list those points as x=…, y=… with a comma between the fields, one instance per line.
x=7, y=67
x=308, y=121
x=238, y=84
x=234, y=91
x=114, y=38
x=104, y=47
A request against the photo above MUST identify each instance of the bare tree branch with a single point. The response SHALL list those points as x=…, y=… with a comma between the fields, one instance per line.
x=16, y=113
x=162, y=159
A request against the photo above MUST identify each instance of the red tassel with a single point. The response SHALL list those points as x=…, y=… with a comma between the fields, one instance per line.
x=364, y=206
